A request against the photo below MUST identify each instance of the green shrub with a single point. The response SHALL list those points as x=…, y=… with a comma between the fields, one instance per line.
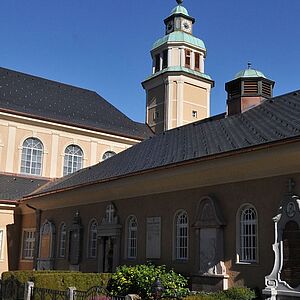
x=61, y=280
x=239, y=293
x=139, y=280
x=235, y=293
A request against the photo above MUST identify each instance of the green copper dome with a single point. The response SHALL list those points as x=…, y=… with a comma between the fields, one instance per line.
x=179, y=36
x=249, y=73
x=179, y=9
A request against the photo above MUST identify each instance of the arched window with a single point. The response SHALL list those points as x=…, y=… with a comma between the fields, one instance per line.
x=181, y=235
x=108, y=154
x=73, y=159
x=132, y=237
x=92, y=249
x=32, y=157
x=248, y=234
x=62, y=240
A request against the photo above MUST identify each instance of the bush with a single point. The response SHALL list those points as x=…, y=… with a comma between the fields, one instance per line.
x=139, y=280
x=60, y=280
x=235, y=293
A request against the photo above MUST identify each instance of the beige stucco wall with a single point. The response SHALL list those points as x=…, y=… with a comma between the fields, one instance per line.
x=14, y=130
x=6, y=217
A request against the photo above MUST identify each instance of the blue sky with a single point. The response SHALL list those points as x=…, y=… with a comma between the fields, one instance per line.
x=104, y=45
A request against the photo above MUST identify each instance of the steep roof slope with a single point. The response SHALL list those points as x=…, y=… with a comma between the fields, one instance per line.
x=49, y=100
x=14, y=187
x=274, y=120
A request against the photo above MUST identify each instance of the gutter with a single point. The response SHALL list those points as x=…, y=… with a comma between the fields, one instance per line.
x=139, y=138
x=170, y=166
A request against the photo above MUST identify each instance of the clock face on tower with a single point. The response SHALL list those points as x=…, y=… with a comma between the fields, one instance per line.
x=186, y=26
x=170, y=26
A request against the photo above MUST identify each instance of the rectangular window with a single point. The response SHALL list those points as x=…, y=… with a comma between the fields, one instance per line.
x=28, y=244
x=165, y=59
x=1, y=243
x=187, y=58
x=197, y=61
x=157, y=63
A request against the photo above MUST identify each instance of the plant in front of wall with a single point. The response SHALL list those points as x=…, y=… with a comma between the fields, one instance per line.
x=140, y=278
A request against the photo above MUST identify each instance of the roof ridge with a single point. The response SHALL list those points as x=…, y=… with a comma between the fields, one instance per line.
x=49, y=80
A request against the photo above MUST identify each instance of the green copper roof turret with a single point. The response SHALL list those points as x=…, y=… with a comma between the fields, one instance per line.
x=179, y=9
x=249, y=72
x=179, y=36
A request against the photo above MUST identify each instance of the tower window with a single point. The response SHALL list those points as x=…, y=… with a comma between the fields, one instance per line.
x=157, y=62
x=187, y=58
x=165, y=59
x=194, y=114
x=155, y=115
x=197, y=61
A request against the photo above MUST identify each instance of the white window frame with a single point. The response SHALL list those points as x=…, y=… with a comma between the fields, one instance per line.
x=73, y=159
x=181, y=236
x=35, y=155
x=28, y=243
x=247, y=235
x=92, y=239
x=62, y=240
x=108, y=154
x=132, y=230
x=2, y=239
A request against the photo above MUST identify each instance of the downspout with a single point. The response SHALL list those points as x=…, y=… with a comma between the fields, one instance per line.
x=38, y=213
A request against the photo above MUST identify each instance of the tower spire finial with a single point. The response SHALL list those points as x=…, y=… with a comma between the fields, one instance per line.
x=249, y=65
x=179, y=2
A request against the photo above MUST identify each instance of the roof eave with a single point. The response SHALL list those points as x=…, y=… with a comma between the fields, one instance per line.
x=181, y=163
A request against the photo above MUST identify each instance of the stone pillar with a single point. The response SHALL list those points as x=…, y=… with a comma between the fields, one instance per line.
x=28, y=290
x=202, y=62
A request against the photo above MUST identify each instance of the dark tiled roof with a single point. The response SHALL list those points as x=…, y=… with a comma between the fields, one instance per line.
x=58, y=102
x=274, y=120
x=14, y=187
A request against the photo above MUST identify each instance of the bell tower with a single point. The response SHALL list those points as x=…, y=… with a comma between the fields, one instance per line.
x=178, y=91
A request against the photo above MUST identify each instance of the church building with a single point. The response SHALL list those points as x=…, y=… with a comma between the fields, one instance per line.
x=213, y=197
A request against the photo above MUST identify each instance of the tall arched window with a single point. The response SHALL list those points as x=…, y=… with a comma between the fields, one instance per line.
x=92, y=248
x=108, y=154
x=132, y=237
x=181, y=235
x=73, y=159
x=32, y=157
x=62, y=240
x=248, y=234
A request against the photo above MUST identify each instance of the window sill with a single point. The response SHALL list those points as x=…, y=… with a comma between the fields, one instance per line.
x=244, y=263
x=181, y=261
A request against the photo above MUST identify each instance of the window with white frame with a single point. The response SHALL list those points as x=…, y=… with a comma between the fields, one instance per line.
x=62, y=240
x=28, y=244
x=181, y=235
x=108, y=154
x=248, y=235
x=32, y=157
x=110, y=213
x=132, y=237
x=73, y=159
x=1, y=243
x=92, y=249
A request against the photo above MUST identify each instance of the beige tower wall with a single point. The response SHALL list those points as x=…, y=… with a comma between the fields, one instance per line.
x=195, y=99
x=155, y=108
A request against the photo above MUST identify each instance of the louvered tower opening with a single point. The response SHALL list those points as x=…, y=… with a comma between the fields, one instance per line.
x=250, y=87
x=266, y=89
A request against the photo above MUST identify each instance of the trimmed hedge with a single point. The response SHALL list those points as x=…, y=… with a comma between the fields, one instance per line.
x=61, y=280
x=234, y=293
